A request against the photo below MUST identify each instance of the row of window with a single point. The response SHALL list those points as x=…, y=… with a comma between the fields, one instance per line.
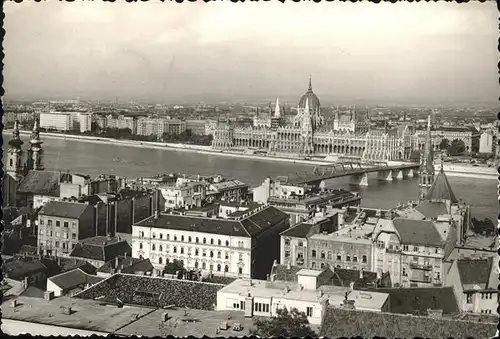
x=416, y=249
x=287, y=243
x=204, y=266
x=50, y=222
x=58, y=235
x=486, y=311
x=329, y=256
x=261, y=307
x=196, y=251
x=57, y=244
x=190, y=239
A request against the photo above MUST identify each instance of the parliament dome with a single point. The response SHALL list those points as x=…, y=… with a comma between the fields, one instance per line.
x=314, y=103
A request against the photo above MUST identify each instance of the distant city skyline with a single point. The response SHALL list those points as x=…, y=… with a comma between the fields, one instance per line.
x=419, y=53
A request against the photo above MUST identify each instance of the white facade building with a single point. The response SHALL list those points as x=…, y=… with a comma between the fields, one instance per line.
x=486, y=143
x=58, y=121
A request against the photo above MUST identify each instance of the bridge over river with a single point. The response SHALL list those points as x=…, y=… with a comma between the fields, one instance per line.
x=356, y=170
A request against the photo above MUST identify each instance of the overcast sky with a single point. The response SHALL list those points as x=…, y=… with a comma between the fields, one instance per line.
x=169, y=52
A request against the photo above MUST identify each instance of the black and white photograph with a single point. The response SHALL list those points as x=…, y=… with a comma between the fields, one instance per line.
x=260, y=168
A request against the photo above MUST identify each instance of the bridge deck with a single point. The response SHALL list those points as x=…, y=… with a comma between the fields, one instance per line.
x=325, y=172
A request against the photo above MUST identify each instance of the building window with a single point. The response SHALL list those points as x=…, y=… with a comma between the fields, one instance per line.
x=204, y=253
x=354, y=258
x=160, y=247
x=405, y=247
x=301, y=244
x=196, y=252
x=49, y=222
x=203, y=265
x=415, y=249
x=140, y=245
x=241, y=256
x=72, y=246
x=313, y=253
x=175, y=249
x=219, y=242
x=153, y=247
x=211, y=241
x=175, y=238
x=287, y=254
x=322, y=265
x=436, y=250
x=211, y=267
x=218, y=267
x=240, y=270
x=404, y=272
x=197, y=240
x=168, y=236
x=313, y=264
x=211, y=254
x=182, y=238
x=227, y=242
x=41, y=222
x=161, y=235
x=73, y=236
x=329, y=256
x=196, y=264
x=66, y=224
x=57, y=244
x=226, y=268
x=287, y=242
x=339, y=256
x=218, y=255
x=322, y=255
x=469, y=298
x=160, y=260
x=204, y=240
x=364, y=259
x=58, y=223
x=182, y=250
x=348, y=258
x=154, y=235
x=380, y=244
x=226, y=254
x=309, y=311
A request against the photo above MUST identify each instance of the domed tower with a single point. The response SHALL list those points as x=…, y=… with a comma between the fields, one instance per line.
x=35, y=153
x=314, y=105
x=15, y=153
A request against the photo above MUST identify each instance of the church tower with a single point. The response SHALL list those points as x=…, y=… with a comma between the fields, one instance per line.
x=277, y=112
x=35, y=153
x=426, y=171
x=15, y=153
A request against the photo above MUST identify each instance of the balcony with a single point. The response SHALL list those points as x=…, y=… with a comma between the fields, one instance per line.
x=417, y=266
x=421, y=278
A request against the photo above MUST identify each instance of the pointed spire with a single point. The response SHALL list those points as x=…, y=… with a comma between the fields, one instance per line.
x=277, y=112
x=310, y=83
x=307, y=105
x=442, y=167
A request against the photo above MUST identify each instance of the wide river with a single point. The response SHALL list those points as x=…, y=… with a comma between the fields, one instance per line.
x=94, y=159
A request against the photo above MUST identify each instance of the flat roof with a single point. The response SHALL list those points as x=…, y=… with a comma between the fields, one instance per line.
x=310, y=273
x=86, y=314
x=182, y=323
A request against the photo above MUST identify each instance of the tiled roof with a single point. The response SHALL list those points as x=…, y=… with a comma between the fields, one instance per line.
x=98, y=249
x=300, y=230
x=41, y=183
x=154, y=292
x=227, y=185
x=20, y=267
x=247, y=227
x=408, y=300
x=339, y=322
x=63, y=209
x=282, y=273
x=432, y=209
x=441, y=189
x=418, y=232
x=344, y=277
x=130, y=265
x=75, y=278
x=474, y=272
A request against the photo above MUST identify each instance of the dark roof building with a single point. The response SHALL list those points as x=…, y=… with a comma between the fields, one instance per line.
x=339, y=322
x=63, y=209
x=441, y=189
x=42, y=183
x=99, y=250
x=418, y=232
x=71, y=281
x=153, y=292
x=126, y=264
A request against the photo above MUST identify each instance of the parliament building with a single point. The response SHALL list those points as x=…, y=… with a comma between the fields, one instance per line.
x=307, y=135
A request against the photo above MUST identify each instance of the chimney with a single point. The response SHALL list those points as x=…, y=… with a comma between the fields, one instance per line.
x=249, y=306
x=66, y=310
x=13, y=303
x=164, y=317
x=48, y=295
x=25, y=283
x=156, y=214
x=117, y=261
x=273, y=277
x=288, y=266
x=360, y=274
x=108, y=237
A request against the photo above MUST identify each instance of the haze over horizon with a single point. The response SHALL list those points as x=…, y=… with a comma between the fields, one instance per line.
x=414, y=53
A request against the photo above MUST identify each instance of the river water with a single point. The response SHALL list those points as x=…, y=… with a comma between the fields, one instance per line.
x=94, y=159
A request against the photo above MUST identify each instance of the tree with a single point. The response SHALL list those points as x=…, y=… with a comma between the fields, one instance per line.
x=483, y=227
x=285, y=323
x=457, y=147
x=445, y=144
x=175, y=266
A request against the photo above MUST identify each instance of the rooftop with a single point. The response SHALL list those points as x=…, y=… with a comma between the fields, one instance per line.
x=432, y=209
x=101, y=248
x=248, y=226
x=86, y=314
x=63, y=209
x=20, y=267
x=183, y=323
x=127, y=264
x=359, y=234
x=228, y=185
x=153, y=292
x=42, y=183
x=348, y=323
x=441, y=189
x=75, y=278
x=418, y=232
x=475, y=272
